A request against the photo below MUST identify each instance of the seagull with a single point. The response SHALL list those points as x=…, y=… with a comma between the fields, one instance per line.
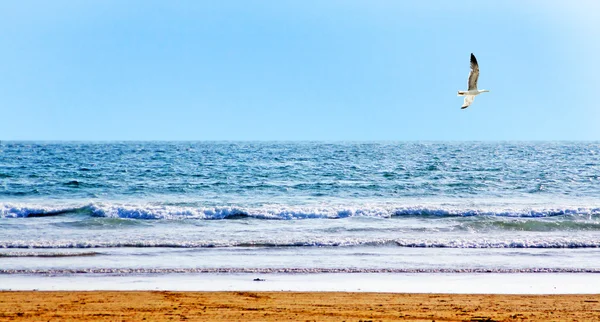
x=473, y=91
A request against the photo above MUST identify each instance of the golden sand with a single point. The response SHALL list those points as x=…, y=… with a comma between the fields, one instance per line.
x=292, y=306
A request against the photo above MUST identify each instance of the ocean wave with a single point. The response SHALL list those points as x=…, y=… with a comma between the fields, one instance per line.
x=34, y=211
x=48, y=254
x=548, y=243
x=531, y=225
x=278, y=212
x=296, y=270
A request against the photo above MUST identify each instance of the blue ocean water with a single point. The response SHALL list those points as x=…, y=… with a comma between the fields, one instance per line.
x=159, y=207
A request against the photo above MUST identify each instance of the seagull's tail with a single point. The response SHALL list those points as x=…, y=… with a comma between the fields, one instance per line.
x=462, y=93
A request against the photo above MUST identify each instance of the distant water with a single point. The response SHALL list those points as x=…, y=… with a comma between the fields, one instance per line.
x=160, y=207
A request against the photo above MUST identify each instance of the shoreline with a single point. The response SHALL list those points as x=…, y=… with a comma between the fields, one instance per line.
x=441, y=283
x=295, y=306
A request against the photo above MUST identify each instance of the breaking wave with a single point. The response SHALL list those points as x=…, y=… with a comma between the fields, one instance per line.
x=541, y=243
x=48, y=254
x=240, y=270
x=274, y=212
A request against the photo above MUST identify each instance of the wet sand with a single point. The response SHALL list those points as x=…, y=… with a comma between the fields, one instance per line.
x=291, y=306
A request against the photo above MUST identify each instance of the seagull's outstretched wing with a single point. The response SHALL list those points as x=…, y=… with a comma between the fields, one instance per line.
x=474, y=74
x=468, y=100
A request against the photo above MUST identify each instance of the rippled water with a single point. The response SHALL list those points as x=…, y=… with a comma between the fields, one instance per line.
x=164, y=206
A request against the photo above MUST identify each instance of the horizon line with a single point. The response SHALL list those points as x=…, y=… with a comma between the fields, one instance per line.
x=296, y=141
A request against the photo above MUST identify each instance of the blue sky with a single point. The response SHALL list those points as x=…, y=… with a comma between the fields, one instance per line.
x=298, y=70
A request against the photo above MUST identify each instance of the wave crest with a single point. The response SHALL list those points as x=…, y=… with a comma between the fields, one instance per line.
x=295, y=270
x=276, y=212
x=541, y=243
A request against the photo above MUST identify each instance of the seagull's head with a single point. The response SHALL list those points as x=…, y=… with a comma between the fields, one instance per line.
x=483, y=91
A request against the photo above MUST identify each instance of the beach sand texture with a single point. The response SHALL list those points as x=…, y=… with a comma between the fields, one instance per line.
x=292, y=306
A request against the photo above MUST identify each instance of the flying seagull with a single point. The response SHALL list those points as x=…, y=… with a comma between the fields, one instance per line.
x=473, y=91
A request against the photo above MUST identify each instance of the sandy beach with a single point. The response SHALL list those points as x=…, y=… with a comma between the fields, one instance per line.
x=294, y=306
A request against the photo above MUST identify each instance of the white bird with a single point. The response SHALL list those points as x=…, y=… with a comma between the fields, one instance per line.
x=473, y=91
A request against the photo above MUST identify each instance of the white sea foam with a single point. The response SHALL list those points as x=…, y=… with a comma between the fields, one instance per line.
x=21, y=210
x=266, y=212
x=472, y=242
x=294, y=270
x=281, y=212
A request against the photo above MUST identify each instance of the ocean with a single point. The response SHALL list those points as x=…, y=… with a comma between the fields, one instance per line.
x=130, y=208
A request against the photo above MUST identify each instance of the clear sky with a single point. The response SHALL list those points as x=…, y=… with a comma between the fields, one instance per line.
x=298, y=70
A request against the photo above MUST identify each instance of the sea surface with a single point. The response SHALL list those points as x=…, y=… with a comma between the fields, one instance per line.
x=301, y=207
